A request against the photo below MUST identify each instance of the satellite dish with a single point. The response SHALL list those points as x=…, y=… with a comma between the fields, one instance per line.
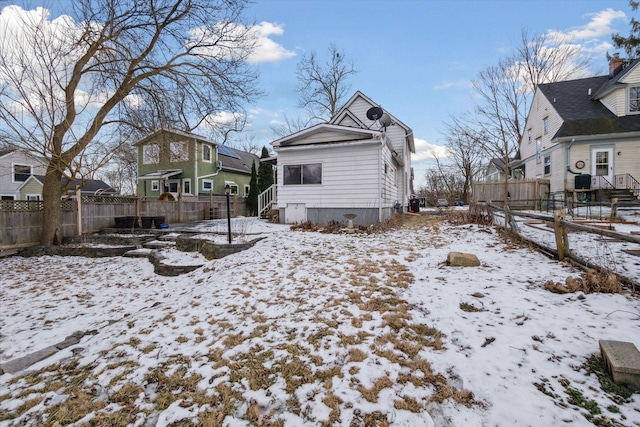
x=385, y=120
x=374, y=113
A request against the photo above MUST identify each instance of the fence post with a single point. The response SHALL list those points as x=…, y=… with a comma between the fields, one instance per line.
x=561, y=233
x=79, y=215
x=614, y=208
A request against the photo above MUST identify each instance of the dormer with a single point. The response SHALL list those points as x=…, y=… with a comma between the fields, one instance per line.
x=621, y=93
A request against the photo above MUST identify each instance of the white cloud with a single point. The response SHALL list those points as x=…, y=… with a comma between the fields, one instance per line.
x=426, y=151
x=267, y=50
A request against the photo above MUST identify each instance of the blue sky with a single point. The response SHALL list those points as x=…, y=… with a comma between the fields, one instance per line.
x=417, y=57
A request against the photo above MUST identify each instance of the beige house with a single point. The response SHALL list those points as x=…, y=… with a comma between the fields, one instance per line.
x=584, y=135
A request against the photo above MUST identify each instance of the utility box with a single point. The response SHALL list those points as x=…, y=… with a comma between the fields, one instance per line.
x=582, y=182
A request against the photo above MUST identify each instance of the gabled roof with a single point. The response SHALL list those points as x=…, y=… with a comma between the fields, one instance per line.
x=325, y=133
x=160, y=131
x=577, y=102
x=616, y=79
x=242, y=163
x=340, y=115
x=7, y=151
x=95, y=186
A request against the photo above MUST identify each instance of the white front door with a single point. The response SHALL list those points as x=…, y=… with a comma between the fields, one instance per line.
x=601, y=165
x=295, y=213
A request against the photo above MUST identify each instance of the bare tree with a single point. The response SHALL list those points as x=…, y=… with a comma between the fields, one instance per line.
x=464, y=144
x=290, y=125
x=323, y=86
x=65, y=87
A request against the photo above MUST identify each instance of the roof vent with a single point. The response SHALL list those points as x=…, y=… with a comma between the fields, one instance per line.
x=589, y=92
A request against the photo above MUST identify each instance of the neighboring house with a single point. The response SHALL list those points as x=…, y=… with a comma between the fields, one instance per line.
x=495, y=169
x=584, y=134
x=357, y=163
x=22, y=177
x=172, y=161
x=18, y=169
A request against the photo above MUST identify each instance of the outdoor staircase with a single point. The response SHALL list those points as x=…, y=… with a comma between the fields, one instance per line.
x=266, y=200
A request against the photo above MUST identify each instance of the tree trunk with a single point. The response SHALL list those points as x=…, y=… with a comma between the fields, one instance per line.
x=51, y=197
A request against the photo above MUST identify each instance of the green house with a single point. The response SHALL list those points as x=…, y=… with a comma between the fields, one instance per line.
x=182, y=163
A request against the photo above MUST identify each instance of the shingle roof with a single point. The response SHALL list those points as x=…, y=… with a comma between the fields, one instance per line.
x=242, y=164
x=583, y=114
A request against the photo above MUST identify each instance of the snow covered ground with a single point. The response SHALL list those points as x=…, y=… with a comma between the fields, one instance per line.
x=307, y=328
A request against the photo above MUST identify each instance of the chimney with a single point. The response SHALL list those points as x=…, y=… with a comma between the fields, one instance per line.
x=615, y=64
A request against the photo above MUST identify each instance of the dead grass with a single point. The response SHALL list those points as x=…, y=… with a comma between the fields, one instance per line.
x=590, y=282
x=371, y=394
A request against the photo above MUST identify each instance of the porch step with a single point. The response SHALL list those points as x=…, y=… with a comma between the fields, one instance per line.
x=158, y=244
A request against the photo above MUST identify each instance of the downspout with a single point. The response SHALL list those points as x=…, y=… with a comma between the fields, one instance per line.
x=568, y=164
x=380, y=200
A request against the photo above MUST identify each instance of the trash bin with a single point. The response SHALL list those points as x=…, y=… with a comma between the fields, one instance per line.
x=131, y=222
x=147, y=221
x=121, y=222
x=158, y=221
x=414, y=205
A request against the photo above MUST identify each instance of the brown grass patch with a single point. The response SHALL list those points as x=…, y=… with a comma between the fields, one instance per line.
x=371, y=394
x=356, y=355
x=408, y=404
x=590, y=282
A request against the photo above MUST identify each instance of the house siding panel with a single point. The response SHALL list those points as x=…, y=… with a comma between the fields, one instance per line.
x=342, y=185
x=7, y=186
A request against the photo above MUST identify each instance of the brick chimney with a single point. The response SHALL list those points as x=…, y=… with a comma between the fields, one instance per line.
x=615, y=64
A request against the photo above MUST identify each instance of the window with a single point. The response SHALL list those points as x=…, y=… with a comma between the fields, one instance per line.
x=545, y=125
x=35, y=197
x=602, y=163
x=155, y=186
x=246, y=190
x=179, y=151
x=529, y=136
x=186, y=186
x=207, y=185
x=233, y=186
x=171, y=186
x=547, y=165
x=206, y=152
x=150, y=154
x=5, y=197
x=21, y=173
x=538, y=150
x=303, y=174
x=634, y=99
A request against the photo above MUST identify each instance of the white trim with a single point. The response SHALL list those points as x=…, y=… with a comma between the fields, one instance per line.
x=13, y=172
x=210, y=153
x=155, y=183
x=232, y=184
x=247, y=188
x=185, y=182
x=35, y=197
x=207, y=181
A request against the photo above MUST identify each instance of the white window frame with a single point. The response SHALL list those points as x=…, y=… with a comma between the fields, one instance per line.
x=186, y=183
x=302, y=174
x=538, y=150
x=636, y=99
x=247, y=188
x=547, y=164
x=155, y=185
x=168, y=183
x=34, y=197
x=13, y=171
x=178, y=151
x=233, y=185
x=206, y=147
x=545, y=125
x=204, y=185
x=150, y=154
x=529, y=135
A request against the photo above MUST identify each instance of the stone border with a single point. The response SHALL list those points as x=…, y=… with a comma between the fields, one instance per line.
x=88, y=252
x=211, y=250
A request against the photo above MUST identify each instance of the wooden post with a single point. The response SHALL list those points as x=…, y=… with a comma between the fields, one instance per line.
x=79, y=216
x=561, y=232
x=614, y=208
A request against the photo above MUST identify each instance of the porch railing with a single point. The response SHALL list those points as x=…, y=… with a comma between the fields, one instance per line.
x=266, y=199
x=599, y=182
x=629, y=182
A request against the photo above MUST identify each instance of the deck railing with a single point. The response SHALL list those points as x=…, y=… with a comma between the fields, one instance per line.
x=629, y=182
x=266, y=199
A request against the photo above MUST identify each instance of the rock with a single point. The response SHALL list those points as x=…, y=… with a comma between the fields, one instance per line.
x=461, y=259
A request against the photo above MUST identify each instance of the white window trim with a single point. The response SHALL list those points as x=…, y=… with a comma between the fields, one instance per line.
x=185, y=182
x=167, y=185
x=544, y=164
x=145, y=158
x=173, y=151
x=538, y=150
x=210, y=159
x=155, y=185
x=35, y=197
x=207, y=181
x=13, y=171
x=629, y=100
x=232, y=185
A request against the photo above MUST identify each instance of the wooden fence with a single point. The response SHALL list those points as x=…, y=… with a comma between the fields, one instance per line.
x=21, y=221
x=522, y=194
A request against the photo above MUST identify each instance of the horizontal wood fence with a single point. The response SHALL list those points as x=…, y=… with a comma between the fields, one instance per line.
x=21, y=221
x=522, y=194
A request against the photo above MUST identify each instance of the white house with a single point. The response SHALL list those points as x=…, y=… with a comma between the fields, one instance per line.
x=22, y=177
x=584, y=134
x=18, y=172
x=357, y=163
